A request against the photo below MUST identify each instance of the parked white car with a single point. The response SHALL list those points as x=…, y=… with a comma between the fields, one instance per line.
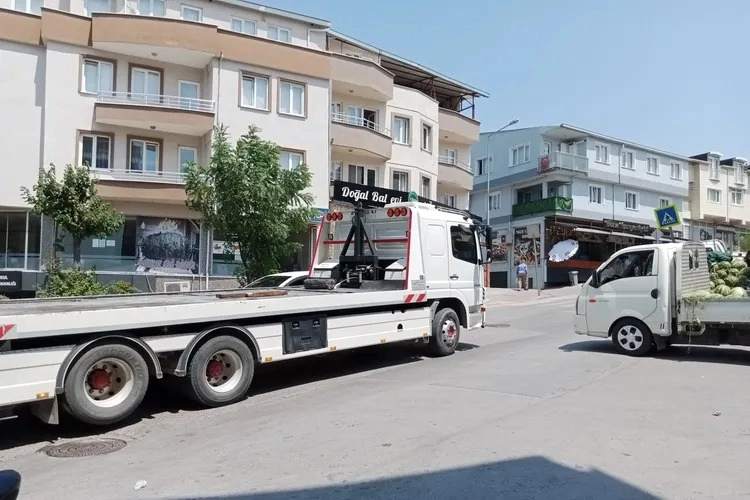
x=280, y=280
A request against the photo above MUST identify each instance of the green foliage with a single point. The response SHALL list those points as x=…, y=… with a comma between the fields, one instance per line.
x=74, y=282
x=74, y=205
x=246, y=196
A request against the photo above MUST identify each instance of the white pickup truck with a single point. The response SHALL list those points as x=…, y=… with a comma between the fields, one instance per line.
x=406, y=272
x=644, y=297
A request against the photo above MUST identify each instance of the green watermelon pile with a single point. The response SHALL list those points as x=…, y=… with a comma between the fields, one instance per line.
x=729, y=276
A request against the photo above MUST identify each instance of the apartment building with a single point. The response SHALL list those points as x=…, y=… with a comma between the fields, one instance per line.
x=718, y=207
x=134, y=88
x=572, y=184
x=399, y=126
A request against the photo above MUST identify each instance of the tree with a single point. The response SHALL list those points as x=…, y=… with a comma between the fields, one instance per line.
x=74, y=205
x=247, y=197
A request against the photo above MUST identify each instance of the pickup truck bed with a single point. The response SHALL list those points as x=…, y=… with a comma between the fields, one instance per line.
x=716, y=312
x=47, y=317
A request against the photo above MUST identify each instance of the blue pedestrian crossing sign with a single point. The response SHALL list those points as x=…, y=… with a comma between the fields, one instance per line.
x=667, y=217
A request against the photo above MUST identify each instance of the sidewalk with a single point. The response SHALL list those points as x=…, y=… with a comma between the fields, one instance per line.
x=513, y=296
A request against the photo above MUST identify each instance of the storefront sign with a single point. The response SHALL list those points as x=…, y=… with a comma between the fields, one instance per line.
x=627, y=227
x=725, y=229
x=10, y=281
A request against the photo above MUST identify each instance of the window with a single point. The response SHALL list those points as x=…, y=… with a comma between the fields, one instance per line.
x=425, y=191
x=254, y=92
x=186, y=155
x=292, y=98
x=290, y=159
x=145, y=85
x=154, y=8
x=739, y=175
x=192, y=13
x=627, y=160
x=279, y=34
x=675, y=171
x=98, y=76
x=628, y=265
x=519, y=154
x=631, y=200
x=361, y=117
x=481, y=166
x=735, y=195
x=95, y=151
x=449, y=200
x=602, y=153
x=401, y=127
x=546, y=148
x=494, y=202
x=92, y=6
x=400, y=181
x=244, y=26
x=596, y=195
x=713, y=195
x=28, y=6
x=189, y=93
x=464, y=244
x=337, y=171
x=427, y=138
x=713, y=168
x=652, y=165
x=144, y=155
x=664, y=202
x=449, y=156
x=363, y=175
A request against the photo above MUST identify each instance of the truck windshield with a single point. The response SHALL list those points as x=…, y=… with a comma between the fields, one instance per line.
x=628, y=265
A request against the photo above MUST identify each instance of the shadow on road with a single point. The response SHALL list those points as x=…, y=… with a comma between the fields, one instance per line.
x=164, y=395
x=531, y=478
x=681, y=353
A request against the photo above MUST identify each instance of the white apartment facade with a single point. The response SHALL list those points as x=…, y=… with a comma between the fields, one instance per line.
x=573, y=184
x=134, y=88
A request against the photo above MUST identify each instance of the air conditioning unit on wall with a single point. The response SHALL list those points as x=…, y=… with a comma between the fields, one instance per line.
x=177, y=286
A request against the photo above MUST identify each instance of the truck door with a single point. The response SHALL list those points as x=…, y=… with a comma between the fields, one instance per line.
x=627, y=286
x=464, y=270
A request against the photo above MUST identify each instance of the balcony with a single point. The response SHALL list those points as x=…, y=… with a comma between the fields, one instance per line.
x=455, y=127
x=361, y=137
x=557, y=161
x=139, y=176
x=553, y=204
x=157, y=38
x=454, y=174
x=361, y=78
x=173, y=114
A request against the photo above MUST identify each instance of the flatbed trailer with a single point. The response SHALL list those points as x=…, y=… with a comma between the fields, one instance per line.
x=393, y=278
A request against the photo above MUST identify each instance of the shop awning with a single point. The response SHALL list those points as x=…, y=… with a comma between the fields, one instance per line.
x=591, y=230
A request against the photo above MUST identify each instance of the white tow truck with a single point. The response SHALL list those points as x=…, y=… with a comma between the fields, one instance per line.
x=644, y=297
x=406, y=272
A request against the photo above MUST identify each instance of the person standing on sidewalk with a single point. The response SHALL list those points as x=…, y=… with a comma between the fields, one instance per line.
x=522, y=273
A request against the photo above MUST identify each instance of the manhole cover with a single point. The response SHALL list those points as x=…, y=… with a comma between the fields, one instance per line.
x=497, y=325
x=89, y=448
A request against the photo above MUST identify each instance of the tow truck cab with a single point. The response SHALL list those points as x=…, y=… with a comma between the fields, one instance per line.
x=412, y=246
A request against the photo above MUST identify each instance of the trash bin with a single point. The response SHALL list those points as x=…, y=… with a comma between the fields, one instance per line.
x=573, y=277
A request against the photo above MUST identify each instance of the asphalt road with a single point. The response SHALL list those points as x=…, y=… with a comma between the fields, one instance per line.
x=525, y=410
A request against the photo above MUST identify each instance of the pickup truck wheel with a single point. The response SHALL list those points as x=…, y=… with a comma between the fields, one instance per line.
x=632, y=337
x=220, y=372
x=106, y=385
x=446, y=330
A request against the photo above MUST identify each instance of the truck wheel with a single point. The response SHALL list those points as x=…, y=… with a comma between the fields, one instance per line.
x=220, y=372
x=446, y=329
x=106, y=384
x=632, y=337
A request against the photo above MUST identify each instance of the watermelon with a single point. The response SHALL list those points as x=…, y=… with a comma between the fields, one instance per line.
x=723, y=290
x=723, y=265
x=731, y=281
x=738, y=293
x=738, y=264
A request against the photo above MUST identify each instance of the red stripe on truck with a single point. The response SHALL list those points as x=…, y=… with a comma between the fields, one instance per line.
x=5, y=329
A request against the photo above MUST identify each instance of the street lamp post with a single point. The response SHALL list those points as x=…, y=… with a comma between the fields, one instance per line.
x=489, y=162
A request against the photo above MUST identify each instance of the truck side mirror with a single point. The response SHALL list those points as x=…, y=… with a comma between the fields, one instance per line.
x=488, y=258
x=595, y=279
x=488, y=238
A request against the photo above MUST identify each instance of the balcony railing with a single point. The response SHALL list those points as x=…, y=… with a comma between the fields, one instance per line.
x=140, y=175
x=557, y=160
x=553, y=204
x=157, y=101
x=452, y=160
x=359, y=122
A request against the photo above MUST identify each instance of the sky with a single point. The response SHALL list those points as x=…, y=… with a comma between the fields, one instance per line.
x=670, y=74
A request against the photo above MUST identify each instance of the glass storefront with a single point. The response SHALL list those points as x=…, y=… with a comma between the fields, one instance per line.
x=20, y=240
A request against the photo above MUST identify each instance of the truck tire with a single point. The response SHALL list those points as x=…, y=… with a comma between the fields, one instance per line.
x=632, y=337
x=106, y=384
x=446, y=331
x=220, y=372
